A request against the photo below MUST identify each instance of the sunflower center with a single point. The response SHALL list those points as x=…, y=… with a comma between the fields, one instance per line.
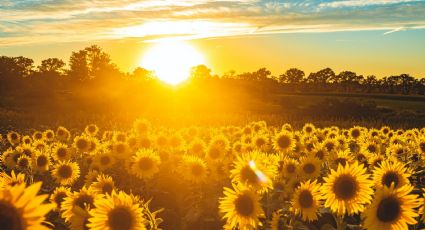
x=305, y=199
x=10, y=217
x=27, y=152
x=330, y=146
x=120, y=218
x=23, y=162
x=107, y=188
x=309, y=168
x=371, y=148
x=345, y=187
x=244, y=205
x=120, y=148
x=41, y=161
x=61, y=152
x=284, y=142
x=84, y=201
x=260, y=142
x=59, y=198
x=82, y=144
x=104, y=160
x=145, y=163
x=65, y=171
x=355, y=133
x=214, y=153
x=248, y=175
x=290, y=168
x=389, y=178
x=388, y=209
x=197, y=169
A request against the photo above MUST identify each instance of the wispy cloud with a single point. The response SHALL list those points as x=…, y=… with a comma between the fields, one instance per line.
x=394, y=30
x=24, y=22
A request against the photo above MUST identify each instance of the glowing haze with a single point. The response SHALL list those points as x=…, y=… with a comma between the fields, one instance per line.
x=380, y=37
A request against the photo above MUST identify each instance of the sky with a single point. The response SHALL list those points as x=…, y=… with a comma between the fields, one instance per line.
x=379, y=37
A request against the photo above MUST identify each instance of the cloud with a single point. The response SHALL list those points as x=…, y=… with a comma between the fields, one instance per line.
x=394, y=30
x=80, y=20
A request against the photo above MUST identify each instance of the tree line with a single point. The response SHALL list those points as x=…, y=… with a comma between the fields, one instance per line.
x=92, y=66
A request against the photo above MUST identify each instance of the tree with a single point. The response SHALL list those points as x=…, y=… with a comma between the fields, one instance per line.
x=90, y=63
x=142, y=74
x=292, y=75
x=261, y=74
x=51, y=67
x=200, y=71
x=370, y=82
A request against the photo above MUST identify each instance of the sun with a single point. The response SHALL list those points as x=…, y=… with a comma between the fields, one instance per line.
x=172, y=61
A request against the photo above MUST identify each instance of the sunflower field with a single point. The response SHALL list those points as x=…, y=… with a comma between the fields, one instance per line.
x=212, y=177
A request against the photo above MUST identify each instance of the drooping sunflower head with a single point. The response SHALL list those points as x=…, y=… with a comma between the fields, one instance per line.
x=241, y=208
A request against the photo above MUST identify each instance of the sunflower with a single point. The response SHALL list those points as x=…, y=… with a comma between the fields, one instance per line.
x=397, y=150
x=104, y=160
x=23, y=163
x=63, y=134
x=82, y=143
x=78, y=203
x=215, y=152
x=26, y=140
x=49, y=135
x=117, y=211
x=121, y=150
x=145, y=163
x=330, y=144
x=392, y=209
x=254, y=171
x=22, y=208
x=12, y=180
x=104, y=184
x=289, y=168
x=175, y=141
x=308, y=129
x=41, y=162
x=391, y=173
x=61, y=152
x=91, y=130
x=347, y=189
x=13, y=137
x=276, y=222
x=355, y=132
x=193, y=169
x=141, y=127
x=58, y=196
x=37, y=136
x=284, y=141
x=309, y=167
x=375, y=160
x=196, y=147
x=27, y=150
x=306, y=201
x=241, y=207
x=66, y=172
x=370, y=147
